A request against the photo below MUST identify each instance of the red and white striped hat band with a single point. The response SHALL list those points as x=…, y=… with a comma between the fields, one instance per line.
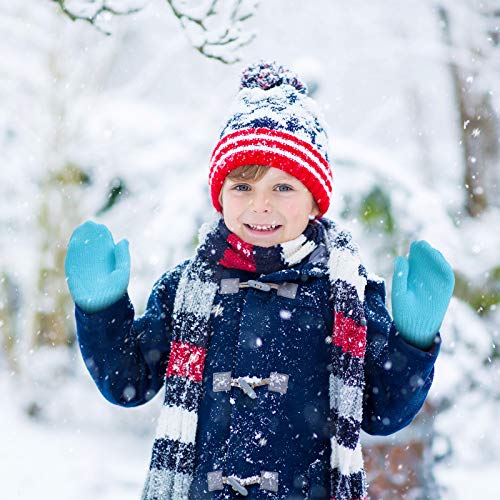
x=274, y=148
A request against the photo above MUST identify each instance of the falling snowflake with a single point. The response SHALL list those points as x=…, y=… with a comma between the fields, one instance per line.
x=284, y=314
x=217, y=310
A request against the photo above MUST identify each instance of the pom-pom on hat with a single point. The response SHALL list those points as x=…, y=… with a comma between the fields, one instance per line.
x=274, y=122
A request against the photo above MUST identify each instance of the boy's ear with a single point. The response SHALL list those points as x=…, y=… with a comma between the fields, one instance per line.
x=315, y=209
x=220, y=192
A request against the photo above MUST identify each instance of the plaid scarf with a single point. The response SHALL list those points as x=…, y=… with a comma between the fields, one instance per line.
x=172, y=461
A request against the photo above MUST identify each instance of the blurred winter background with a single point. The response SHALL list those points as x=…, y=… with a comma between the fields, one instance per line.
x=110, y=111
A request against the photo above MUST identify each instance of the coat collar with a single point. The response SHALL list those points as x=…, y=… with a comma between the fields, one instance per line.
x=315, y=266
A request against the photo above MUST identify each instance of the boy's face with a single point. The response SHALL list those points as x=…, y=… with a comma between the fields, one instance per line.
x=269, y=211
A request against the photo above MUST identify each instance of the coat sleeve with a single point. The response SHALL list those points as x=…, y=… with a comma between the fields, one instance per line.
x=398, y=376
x=127, y=357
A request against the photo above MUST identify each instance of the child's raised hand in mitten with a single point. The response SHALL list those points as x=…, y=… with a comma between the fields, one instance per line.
x=97, y=270
x=422, y=287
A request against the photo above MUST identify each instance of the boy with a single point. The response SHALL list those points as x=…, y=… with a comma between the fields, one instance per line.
x=274, y=345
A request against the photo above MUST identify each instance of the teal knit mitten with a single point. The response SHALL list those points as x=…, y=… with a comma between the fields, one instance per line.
x=97, y=270
x=422, y=287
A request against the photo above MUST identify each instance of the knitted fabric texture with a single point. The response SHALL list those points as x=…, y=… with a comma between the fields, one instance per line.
x=274, y=123
x=173, y=455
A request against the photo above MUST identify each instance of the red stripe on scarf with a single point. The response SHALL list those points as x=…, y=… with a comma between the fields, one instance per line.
x=186, y=360
x=348, y=335
x=240, y=256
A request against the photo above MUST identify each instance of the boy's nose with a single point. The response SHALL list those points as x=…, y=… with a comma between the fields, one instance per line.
x=260, y=203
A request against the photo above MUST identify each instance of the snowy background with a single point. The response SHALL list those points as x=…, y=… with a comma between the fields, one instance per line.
x=119, y=129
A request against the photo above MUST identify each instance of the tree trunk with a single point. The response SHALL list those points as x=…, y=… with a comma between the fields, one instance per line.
x=60, y=192
x=479, y=131
x=9, y=306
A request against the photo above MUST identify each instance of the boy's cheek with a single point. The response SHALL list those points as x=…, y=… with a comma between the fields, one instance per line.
x=294, y=211
x=229, y=212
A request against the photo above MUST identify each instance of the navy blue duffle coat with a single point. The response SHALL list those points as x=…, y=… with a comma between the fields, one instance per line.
x=254, y=333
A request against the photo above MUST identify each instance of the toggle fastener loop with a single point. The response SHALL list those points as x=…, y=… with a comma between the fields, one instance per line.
x=232, y=285
x=288, y=290
x=277, y=382
x=267, y=480
x=229, y=285
x=221, y=381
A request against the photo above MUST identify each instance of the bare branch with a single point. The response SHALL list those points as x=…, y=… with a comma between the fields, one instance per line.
x=214, y=30
x=93, y=18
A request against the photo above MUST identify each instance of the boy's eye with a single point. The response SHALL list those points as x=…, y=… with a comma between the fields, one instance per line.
x=242, y=187
x=284, y=188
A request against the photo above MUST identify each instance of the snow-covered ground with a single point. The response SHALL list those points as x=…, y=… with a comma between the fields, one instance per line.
x=79, y=447
x=56, y=461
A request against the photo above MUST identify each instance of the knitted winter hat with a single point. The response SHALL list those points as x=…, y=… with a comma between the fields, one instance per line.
x=273, y=122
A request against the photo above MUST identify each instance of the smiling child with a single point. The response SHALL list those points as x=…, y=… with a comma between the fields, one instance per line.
x=273, y=342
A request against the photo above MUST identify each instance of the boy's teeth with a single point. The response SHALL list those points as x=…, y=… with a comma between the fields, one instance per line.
x=268, y=227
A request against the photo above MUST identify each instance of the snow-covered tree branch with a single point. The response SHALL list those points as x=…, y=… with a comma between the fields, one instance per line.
x=215, y=28
x=99, y=12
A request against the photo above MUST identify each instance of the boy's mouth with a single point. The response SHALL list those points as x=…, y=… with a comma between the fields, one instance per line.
x=263, y=228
